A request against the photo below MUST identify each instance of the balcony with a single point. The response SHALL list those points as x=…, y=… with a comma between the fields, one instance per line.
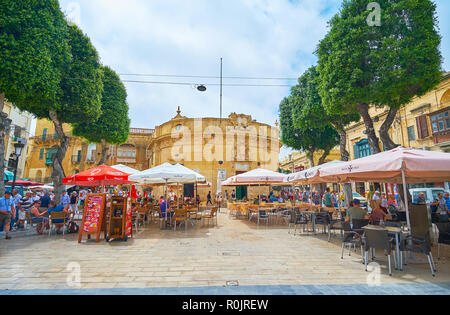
x=141, y=131
x=126, y=160
x=48, y=138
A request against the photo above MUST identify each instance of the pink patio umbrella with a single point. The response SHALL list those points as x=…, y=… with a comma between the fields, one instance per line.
x=400, y=166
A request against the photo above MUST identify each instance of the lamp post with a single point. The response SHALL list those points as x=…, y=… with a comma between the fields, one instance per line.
x=202, y=88
x=18, y=147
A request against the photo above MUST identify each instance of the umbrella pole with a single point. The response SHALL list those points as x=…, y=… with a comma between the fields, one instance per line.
x=406, y=201
x=165, y=194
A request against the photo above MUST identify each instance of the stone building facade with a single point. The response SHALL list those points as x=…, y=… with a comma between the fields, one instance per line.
x=81, y=155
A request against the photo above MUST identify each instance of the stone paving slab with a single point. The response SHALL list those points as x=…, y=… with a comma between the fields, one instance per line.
x=258, y=258
x=387, y=289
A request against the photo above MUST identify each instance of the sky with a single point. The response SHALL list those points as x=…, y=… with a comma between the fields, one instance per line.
x=255, y=38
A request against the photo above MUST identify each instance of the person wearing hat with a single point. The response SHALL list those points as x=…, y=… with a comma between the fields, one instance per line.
x=355, y=212
x=7, y=211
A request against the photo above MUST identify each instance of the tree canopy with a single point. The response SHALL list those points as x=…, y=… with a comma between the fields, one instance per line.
x=362, y=65
x=34, y=51
x=113, y=126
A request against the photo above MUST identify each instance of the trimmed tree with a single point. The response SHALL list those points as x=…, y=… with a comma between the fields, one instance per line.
x=113, y=126
x=362, y=65
x=308, y=139
x=34, y=53
x=308, y=112
x=78, y=99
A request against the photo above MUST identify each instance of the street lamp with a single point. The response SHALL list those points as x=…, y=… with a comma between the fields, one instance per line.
x=18, y=147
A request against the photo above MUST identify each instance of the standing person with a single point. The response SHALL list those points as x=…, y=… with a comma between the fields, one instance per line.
x=7, y=210
x=82, y=196
x=65, y=199
x=208, y=197
x=442, y=208
x=447, y=199
x=16, y=199
x=73, y=206
x=384, y=202
x=23, y=206
x=327, y=198
x=233, y=195
x=376, y=196
x=226, y=195
x=45, y=200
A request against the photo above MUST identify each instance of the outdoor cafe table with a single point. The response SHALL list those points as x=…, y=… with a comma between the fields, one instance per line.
x=392, y=231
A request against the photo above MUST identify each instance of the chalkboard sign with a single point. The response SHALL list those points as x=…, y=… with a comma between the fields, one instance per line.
x=93, y=216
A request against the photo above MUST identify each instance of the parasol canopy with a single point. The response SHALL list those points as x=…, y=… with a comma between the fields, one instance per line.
x=20, y=182
x=125, y=169
x=166, y=173
x=311, y=175
x=98, y=176
x=386, y=167
x=256, y=177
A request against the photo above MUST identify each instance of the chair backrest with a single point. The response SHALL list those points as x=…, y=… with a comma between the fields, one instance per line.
x=262, y=212
x=377, y=238
x=420, y=223
x=58, y=216
x=359, y=223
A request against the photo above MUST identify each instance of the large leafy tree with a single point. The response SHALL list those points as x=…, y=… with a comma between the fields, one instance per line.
x=113, y=126
x=34, y=53
x=309, y=113
x=362, y=65
x=307, y=139
x=78, y=98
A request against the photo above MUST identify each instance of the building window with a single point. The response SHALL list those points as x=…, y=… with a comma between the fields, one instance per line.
x=178, y=127
x=411, y=133
x=44, y=134
x=41, y=154
x=362, y=149
x=126, y=151
x=440, y=122
x=422, y=127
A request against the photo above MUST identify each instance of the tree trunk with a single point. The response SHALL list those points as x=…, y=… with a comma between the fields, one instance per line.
x=2, y=146
x=324, y=156
x=57, y=159
x=310, y=156
x=384, y=135
x=368, y=122
x=105, y=153
x=345, y=156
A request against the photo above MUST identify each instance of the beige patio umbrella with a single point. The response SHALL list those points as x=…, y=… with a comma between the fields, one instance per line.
x=400, y=166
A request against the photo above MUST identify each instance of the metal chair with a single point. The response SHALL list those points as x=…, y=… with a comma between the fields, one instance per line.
x=323, y=219
x=444, y=236
x=420, y=240
x=263, y=216
x=180, y=217
x=378, y=239
x=351, y=239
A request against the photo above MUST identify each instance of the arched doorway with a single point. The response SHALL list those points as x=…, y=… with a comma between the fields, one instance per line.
x=39, y=176
x=445, y=99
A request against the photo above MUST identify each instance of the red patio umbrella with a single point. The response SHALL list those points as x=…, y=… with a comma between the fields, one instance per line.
x=102, y=175
x=21, y=182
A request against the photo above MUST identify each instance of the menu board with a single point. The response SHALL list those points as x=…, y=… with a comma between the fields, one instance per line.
x=92, y=215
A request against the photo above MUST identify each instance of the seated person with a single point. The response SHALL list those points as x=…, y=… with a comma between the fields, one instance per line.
x=272, y=197
x=356, y=212
x=38, y=217
x=378, y=213
x=54, y=207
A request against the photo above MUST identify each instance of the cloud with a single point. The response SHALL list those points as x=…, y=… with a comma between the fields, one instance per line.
x=255, y=38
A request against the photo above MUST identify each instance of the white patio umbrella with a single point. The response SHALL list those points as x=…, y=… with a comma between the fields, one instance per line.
x=125, y=169
x=164, y=174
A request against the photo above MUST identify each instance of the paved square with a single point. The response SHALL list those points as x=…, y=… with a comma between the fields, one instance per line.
x=201, y=260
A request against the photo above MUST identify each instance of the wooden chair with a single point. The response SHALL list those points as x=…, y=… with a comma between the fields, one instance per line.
x=57, y=216
x=180, y=216
x=210, y=215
